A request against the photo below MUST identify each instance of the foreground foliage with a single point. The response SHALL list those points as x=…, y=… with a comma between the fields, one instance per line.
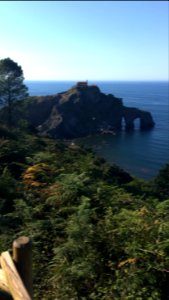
x=97, y=232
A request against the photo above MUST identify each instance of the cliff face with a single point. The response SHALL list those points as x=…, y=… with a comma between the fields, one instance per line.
x=75, y=113
x=83, y=111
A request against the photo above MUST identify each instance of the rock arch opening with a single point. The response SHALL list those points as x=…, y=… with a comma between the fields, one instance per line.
x=137, y=119
x=137, y=124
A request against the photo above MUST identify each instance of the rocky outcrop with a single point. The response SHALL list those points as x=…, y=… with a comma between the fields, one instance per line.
x=83, y=111
x=130, y=114
x=75, y=113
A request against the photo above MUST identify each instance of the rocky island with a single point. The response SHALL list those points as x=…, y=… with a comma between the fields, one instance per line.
x=81, y=111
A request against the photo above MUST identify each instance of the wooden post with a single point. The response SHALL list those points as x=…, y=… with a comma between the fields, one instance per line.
x=3, y=282
x=22, y=257
x=15, y=283
x=4, y=289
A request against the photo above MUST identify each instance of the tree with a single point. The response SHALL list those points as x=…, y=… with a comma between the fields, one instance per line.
x=11, y=85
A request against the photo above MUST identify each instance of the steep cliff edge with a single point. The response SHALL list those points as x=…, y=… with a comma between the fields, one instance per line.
x=83, y=111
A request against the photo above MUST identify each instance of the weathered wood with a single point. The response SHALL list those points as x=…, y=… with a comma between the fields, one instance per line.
x=22, y=257
x=5, y=296
x=4, y=289
x=15, y=284
x=3, y=282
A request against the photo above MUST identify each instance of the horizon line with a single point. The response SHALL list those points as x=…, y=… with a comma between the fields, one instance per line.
x=107, y=80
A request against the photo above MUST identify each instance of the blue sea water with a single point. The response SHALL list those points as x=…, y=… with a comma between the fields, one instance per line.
x=142, y=153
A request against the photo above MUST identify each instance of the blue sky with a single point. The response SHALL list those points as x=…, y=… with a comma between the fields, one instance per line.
x=79, y=40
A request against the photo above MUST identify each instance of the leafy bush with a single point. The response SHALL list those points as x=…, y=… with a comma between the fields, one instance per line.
x=97, y=232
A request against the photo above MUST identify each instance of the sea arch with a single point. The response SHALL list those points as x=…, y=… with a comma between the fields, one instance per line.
x=131, y=113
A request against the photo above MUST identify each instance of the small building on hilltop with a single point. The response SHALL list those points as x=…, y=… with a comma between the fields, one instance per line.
x=82, y=84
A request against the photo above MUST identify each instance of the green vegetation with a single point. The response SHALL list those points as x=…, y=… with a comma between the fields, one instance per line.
x=12, y=88
x=97, y=232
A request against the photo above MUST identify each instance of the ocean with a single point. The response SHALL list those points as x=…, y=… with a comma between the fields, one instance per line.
x=141, y=153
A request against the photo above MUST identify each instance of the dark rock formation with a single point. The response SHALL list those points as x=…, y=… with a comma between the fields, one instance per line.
x=82, y=111
x=76, y=113
x=131, y=113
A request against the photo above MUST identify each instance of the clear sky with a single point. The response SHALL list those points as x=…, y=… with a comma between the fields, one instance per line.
x=79, y=40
